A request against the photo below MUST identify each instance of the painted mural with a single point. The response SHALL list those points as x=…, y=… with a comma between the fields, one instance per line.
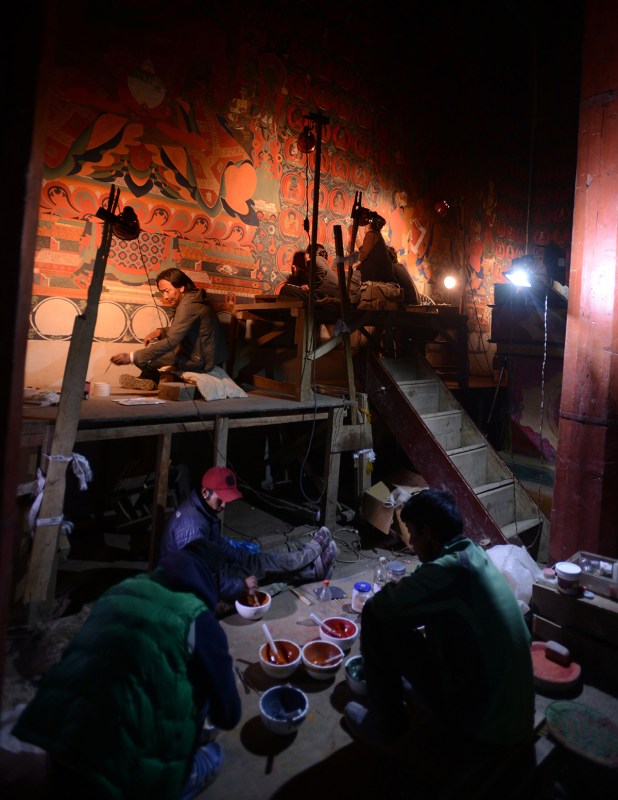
x=216, y=178
x=196, y=120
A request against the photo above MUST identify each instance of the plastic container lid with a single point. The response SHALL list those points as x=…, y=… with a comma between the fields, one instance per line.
x=568, y=570
x=396, y=568
x=362, y=586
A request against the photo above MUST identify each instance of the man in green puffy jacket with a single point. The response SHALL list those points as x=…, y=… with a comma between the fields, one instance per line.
x=123, y=713
x=454, y=631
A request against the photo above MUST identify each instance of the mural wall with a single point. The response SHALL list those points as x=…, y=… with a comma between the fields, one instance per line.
x=194, y=112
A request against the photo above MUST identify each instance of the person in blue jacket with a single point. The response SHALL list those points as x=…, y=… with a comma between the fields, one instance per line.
x=450, y=638
x=237, y=570
x=130, y=709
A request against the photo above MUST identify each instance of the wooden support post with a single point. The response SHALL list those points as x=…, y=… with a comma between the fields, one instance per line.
x=331, y=468
x=342, y=438
x=345, y=307
x=41, y=579
x=222, y=427
x=162, y=472
x=363, y=463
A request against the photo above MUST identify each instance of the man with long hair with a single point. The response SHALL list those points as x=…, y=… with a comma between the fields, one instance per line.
x=193, y=342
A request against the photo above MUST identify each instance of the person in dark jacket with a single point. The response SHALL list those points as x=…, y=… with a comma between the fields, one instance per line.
x=411, y=295
x=375, y=262
x=239, y=571
x=193, y=342
x=454, y=630
x=326, y=278
x=126, y=711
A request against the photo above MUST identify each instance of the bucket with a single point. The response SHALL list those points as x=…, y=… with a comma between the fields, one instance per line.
x=568, y=575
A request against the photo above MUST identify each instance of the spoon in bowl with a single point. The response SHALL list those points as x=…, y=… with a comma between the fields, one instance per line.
x=279, y=659
x=330, y=631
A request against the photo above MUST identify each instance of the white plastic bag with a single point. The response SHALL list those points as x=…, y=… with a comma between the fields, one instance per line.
x=520, y=570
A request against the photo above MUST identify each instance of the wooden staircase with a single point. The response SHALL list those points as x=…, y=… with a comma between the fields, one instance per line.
x=449, y=451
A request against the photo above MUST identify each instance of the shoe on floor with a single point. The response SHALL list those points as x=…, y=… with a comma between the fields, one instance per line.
x=323, y=536
x=324, y=563
x=364, y=725
x=321, y=567
x=139, y=384
x=206, y=766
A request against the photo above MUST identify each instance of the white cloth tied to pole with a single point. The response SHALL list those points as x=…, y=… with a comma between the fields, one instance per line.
x=83, y=473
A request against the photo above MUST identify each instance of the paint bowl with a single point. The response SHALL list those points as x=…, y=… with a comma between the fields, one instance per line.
x=568, y=575
x=283, y=708
x=339, y=630
x=253, y=606
x=287, y=662
x=322, y=660
x=355, y=675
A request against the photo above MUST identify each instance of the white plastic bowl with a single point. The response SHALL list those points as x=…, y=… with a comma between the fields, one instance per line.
x=321, y=659
x=289, y=650
x=253, y=607
x=346, y=630
x=283, y=708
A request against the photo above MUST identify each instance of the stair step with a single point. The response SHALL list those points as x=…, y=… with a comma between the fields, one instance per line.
x=519, y=526
x=489, y=487
x=446, y=427
x=469, y=448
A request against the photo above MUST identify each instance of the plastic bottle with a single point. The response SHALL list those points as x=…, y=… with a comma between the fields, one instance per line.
x=324, y=593
x=380, y=575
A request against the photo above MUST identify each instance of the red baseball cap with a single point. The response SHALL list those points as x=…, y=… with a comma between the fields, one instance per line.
x=223, y=481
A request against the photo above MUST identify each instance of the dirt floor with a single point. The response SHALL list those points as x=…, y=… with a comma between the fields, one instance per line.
x=261, y=766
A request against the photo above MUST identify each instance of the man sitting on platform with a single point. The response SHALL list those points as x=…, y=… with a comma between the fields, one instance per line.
x=196, y=524
x=326, y=279
x=194, y=341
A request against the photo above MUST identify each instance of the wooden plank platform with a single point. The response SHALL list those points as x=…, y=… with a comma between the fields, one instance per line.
x=102, y=418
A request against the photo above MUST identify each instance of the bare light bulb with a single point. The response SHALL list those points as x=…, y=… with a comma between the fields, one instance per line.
x=450, y=282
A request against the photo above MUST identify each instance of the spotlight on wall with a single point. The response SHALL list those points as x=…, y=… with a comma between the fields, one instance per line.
x=306, y=141
x=520, y=273
x=124, y=225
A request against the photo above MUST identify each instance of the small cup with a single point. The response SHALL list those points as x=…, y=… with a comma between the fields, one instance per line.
x=100, y=389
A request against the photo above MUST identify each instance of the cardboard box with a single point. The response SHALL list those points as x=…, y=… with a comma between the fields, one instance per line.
x=373, y=509
x=387, y=519
x=599, y=573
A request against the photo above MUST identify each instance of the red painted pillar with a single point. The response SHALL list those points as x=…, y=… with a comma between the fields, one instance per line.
x=585, y=497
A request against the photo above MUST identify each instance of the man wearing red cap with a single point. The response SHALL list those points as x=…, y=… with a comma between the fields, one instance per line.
x=196, y=523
